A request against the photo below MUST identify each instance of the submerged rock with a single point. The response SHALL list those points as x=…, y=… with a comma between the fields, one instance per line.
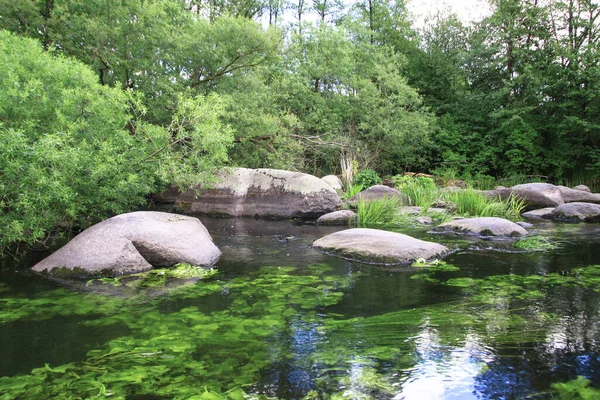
x=486, y=226
x=342, y=217
x=378, y=246
x=376, y=192
x=576, y=212
x=131, y=243
x=539, y=213
x=266, y=193
x=333, y=181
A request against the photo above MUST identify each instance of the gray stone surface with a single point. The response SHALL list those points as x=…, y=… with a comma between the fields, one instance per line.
x=538, y=195
x=485, y=226
x=131, y=243
x=378, y=246
x=375, y=193
x=583, y=188
x=578, y=196
x=425, y=220
x=539, y=213
x=524, y=225
x=333, y=181
x=575, y=212
x=342, y=217
x=263, y=193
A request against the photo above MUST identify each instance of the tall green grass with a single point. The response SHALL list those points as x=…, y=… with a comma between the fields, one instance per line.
x=469, y=202
x=379, y=212
x=421, y=192
x=351, y=190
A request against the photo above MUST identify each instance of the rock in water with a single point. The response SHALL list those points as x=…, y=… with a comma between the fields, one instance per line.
x=131, y=243
x=378, y=247
x=538, y=195
x=342, y=217
x=486, y=226
x=267, y=193
x=576, y=212
x=539, y=214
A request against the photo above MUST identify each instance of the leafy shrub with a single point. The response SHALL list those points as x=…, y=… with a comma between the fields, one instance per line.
x=352, y=190
x=367, y=178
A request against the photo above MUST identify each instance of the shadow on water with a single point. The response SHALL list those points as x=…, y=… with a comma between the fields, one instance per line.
x=284, y=320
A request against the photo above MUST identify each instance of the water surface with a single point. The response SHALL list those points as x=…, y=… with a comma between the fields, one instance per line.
x=281, y=320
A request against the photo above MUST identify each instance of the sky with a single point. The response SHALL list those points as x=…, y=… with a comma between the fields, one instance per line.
x=467, y=10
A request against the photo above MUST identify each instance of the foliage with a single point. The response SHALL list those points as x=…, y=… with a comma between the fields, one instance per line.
x=535, y=243
x=420, y=191
x=351, y=190
x=367, y=178
x=578, y=388
x=74, y=152
x=378, y=212
x=472, y=203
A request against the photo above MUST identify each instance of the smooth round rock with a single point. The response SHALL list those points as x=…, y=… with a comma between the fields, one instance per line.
x=485, y=226
x=378, y=247
x=582, y=188
x=342, y=217
x=333, y=181
x=131, y=243
x=262, y=193
x=376, y=192
x=578, y=196
x=576, y=212
x=539, y=213
x=538, y=195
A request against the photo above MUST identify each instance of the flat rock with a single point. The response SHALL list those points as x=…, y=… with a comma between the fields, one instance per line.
x=577, y=212
x=578, y=196
x=524, y=225
x=378, y=247
x=333, y=181
x=342, y=217
x=262, y=193
x=485, y=226
x=538, y=195
x=424, y=220
x=539, y=213
x=376, y=192
x=131, y=243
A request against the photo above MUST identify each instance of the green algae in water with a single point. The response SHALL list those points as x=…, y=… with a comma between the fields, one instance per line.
x=181, y=354
x=535, y=243
x=189, y=353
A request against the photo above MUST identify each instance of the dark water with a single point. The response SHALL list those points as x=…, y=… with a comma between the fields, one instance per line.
x=281, y=320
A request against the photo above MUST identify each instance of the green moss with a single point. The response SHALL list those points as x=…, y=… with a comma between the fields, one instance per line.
x=535, y=243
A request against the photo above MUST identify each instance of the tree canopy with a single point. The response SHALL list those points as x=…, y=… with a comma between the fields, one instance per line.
x=107, y=101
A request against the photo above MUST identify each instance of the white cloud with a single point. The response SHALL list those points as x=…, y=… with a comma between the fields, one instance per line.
x=467, y=10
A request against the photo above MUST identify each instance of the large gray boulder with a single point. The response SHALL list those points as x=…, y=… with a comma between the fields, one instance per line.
x=539, y=213
x=376, y=192
x=485, y=226
x=378, y=247
x=538, y=195
x=131, y=243
x=583, y=188
x=266, y=193
x=578, y=196
x=342, y=217
x=576, y=212
x=333, y=181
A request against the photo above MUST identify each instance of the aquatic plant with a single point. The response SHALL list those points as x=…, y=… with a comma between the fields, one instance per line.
x=472, y=203
x=420, y=191
x=535, y=243
x=379, y=212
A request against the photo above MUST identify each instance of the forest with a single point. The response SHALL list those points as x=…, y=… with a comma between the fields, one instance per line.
x=105, y=102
